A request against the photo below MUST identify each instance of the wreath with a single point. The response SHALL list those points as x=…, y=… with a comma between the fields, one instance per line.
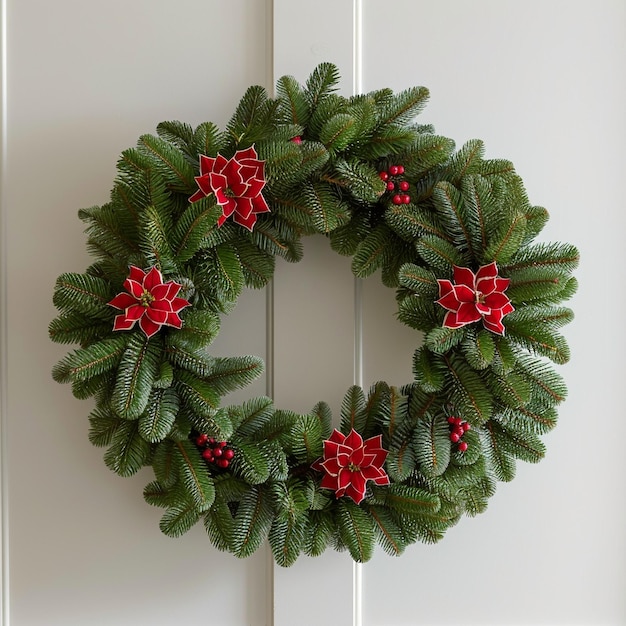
x=196, y=215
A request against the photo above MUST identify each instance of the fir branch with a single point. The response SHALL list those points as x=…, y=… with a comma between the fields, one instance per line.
x=253, y=521
x=192, y=471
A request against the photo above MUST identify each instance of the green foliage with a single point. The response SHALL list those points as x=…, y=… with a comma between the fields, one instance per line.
x=137, y=371
x=324, y=156
x=432, y=446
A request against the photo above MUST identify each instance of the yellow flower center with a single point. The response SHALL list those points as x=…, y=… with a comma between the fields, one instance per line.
x=146, y=298
x=354, y=468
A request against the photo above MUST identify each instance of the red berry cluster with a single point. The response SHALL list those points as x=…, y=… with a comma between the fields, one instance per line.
x=396, y=185
x=458, y=428
x=213, y=451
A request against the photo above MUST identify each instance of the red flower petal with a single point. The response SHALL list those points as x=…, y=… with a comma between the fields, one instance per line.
x=374, y=444
x=248, y=222
x=260, y=205
x=220, y=163
x=153, y=278
x=450, y=320
x=506, y=309
x=244, y=208
x=358, y=482
x=445, y=287
x=467, y=313
x=344, y=478
x=159, y=292
x=197, y=196
x=218, y=184
x=502, y=283
x=254, y=187
x=332, y=449
x=123, y=301
x=464, y=294
x=486, y=285
x=134, y=312
x=232, y=171
x=207, y=164
x=496, y=300
x=351, y=493
x=174, y=320
x=148, y=326
x=337, y=436
x=357, y=457
x=493, y=322
x=494, y=327
x=229, y=206
x=383, y=479
x=487, y=271
x=178, y=304
x=161, y=305
x=332, y=466
x=464, y=276
x=377, y=474
x=379, y=457
x=133, y=287
x=172, y=291
x=353, y=440
x=449, y=301
x=247, y=153
x=136, y=274
x=238, y=188
x=156, y=316
x=204, y=183
x=317, y=465
x=123, y=323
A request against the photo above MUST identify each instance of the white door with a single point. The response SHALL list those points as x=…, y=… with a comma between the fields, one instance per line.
x=540, y=81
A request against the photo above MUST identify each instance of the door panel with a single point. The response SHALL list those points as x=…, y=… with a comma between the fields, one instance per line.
x=314, y=314
x=541, y=82
x=84, y=81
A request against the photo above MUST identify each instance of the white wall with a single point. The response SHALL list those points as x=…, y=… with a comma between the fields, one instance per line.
x=540, y=81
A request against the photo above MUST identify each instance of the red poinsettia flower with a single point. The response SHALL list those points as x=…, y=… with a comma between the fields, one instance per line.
x=349, y=462
x=237, y=185
x=149, y=300
x=474, y=297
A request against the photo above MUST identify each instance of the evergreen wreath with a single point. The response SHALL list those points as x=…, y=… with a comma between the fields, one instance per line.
x=197, y=215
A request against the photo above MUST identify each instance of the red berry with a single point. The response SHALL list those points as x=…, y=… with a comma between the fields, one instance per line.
x=466, y=426
x=390, y=186
x=297, y=139
x=217, y=452
x=201, y=439
x=207, y=455
x=222, y=444
x=397, y=199
x=404, y=185
x=223, y=463
x=406, y=199
x=462, y=446
x=451, y=420
x=454, y=437
x=211, y=441
x=384, y=175
x=400, y=169
x=229, y=454
x=394, y=170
